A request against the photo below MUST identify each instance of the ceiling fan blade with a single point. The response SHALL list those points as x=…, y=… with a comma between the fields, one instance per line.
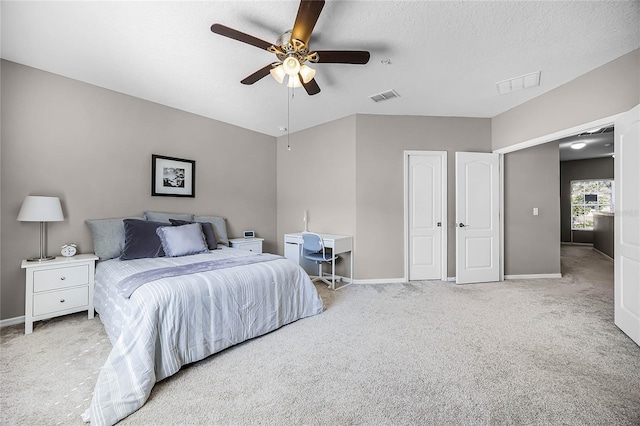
x=261, y=73
x=343, y=56
x=240, y=36
x=308, y=14
x=311, y=87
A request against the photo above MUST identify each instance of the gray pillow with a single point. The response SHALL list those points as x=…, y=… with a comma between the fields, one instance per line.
x=182, y=240
x=164, y=217
x=141, y=240
x=219, y=225
x=108, y=236
x=207, y=230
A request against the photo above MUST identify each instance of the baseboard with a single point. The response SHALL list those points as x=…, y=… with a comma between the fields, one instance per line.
x=531, y=276
x=603, y=254
x=381, y=281
x=12, y=321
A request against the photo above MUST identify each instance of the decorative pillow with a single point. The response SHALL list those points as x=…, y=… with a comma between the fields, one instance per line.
x=164, y=217
x=182, y=240
x=219, y=226
x=207, y=230
x=141, y=240
x=108, y=236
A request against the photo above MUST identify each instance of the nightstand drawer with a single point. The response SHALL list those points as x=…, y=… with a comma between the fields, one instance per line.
x=254, y=247
x=46, y=303
x=53, y=279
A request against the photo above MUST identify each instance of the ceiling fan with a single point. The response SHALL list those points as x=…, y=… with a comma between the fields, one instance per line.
x=292, y=50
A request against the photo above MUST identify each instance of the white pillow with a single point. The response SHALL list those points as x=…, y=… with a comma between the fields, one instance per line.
x=182, y=240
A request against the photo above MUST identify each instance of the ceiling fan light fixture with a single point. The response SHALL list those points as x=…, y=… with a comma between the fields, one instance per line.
x=578, y=145
x=291, y=66
x=278, y=73
x=307, y=73
x=294, y=81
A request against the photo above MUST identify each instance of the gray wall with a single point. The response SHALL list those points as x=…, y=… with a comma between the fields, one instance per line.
x=603, y=233
x=532, y=243
x=608, y=90
x=381, y=142
x=318, y=175
x=92, y=147
x=356, y=183
x=595, y=168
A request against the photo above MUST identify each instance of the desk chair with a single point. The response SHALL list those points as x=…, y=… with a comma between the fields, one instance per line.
x=313, y=249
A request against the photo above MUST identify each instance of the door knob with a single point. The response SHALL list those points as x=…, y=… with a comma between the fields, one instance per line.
x=461, y=225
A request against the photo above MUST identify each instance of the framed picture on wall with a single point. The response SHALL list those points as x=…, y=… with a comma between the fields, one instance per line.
x=172, y=177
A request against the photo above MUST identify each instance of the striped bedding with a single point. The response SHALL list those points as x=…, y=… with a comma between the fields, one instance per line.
x=174, y=321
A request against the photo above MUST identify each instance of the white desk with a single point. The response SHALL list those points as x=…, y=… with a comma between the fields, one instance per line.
x=337, y=243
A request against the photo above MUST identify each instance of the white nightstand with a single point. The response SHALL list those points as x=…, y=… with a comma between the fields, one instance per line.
x=57, y=287
x=250, y=244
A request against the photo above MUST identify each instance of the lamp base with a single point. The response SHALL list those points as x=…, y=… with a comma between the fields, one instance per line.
x=40, y=259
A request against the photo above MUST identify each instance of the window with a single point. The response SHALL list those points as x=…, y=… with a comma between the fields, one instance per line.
x=587, y=197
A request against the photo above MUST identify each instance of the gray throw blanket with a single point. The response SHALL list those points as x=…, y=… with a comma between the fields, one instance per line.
x=127, y=286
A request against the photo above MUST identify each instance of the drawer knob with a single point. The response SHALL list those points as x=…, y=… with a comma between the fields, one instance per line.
x=63, y=278
x=61, y=300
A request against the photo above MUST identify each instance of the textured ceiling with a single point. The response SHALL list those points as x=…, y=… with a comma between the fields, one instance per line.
x=445, y=56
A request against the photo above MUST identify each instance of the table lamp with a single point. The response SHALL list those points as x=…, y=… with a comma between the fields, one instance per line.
x=41, y=209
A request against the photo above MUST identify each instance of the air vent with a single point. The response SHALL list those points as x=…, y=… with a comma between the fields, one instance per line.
x=384, y=96
x=518, y=83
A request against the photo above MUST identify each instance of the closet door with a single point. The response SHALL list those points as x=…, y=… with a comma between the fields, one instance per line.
x=477, y=217
x=426, y=200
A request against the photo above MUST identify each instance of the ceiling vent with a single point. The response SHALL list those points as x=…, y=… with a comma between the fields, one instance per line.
x=518, y=83
x=384, y=96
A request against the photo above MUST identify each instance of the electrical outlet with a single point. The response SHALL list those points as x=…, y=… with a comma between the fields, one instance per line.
x=535, y=211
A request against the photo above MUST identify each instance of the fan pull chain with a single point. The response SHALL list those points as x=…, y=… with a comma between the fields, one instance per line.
x=288, y=116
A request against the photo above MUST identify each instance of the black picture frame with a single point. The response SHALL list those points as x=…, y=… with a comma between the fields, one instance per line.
x=172, y=177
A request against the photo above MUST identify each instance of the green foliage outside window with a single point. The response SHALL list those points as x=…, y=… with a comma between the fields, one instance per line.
x=587, y=197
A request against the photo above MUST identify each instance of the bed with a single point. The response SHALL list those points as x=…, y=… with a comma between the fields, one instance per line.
x=163, y=312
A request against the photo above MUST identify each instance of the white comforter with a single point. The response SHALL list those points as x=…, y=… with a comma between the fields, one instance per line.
x=175, y=321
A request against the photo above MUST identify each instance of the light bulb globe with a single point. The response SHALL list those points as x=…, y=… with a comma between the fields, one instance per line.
x=291, y=66
x=278, y=73
x=307, y=73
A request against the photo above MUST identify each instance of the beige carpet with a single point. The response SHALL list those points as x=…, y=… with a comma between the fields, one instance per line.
x=534, y=352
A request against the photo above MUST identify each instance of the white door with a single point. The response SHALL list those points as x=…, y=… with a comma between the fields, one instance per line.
x=627, y=223
x=477, y=217
x=426, y=218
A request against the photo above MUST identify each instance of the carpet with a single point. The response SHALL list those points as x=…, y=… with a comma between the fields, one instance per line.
x=521, y=352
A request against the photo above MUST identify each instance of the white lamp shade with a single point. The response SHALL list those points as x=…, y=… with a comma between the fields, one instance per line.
x=291, y=66
x=278, y=73
x=40, y=209
x=307, y=73
x=294, y=81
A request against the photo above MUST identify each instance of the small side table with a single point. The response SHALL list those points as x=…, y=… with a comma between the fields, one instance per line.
x=250, y=244
x=57, y=287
